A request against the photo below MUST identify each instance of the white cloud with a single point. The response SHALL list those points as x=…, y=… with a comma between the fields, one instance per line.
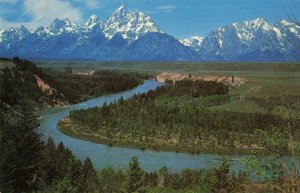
x=43, y=12
x=92, y=4
x=5, y=24
x=166, y=8
x=9, y=1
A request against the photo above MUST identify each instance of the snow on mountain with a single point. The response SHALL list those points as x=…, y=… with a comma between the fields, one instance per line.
x=193, y=42
x=289, y=33
x=12, y=36
x=92, y=22
x=134, y=36
x=249, y=40
x=62, y=26
x=289, y=26
x=131, y=25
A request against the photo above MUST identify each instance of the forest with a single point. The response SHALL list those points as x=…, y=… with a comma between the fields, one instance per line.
x=76, y=88
x=174, y=117
x=20, y=82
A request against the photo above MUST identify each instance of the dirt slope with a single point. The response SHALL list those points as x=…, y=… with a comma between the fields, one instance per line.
x=232, y=81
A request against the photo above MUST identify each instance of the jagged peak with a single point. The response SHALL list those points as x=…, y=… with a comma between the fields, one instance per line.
x=131, y=25
x=22, y=27
x=92, y=21
x=64, y=21
x=21, y=30
x=121, y=11
x=258, y=20
x=60, y=25
x=193, y=41
x=252, y=25
x=121, y=8
x=93, y=17
x=57, y=22
x=286, y=22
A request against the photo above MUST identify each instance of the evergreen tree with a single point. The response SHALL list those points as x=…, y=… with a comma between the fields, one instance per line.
x=48, y=170
x=89, y=178
x=7, y=149
x=134, y=182
x=20, y=151
x=62, y=159
x=221, y=173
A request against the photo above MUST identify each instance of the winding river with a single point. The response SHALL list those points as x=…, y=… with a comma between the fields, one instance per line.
x=119, y=157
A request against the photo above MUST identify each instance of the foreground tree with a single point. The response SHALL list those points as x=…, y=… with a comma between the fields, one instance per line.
x=134, y=182
x=20, y=150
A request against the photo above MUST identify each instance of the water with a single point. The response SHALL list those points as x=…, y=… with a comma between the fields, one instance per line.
x=119, y=157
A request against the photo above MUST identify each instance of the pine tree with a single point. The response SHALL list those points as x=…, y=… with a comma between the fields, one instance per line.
x=222, y=176
x=48, y=170
x=62, y=156
x=20, y=151
x=135, y=178
x=7, y=149
x=89, y=179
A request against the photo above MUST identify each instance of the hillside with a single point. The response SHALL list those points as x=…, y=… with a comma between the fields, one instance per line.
x=22, y=79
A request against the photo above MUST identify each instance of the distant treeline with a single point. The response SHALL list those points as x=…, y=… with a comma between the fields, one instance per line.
x=76, y=88
x=5, y=59
x=191, y=88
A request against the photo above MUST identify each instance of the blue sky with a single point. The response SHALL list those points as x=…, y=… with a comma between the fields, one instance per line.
x=180, y=18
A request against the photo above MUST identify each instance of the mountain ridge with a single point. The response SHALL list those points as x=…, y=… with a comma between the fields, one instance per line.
x=129, y=35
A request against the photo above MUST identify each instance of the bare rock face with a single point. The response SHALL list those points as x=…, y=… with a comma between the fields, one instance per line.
x=230, y=80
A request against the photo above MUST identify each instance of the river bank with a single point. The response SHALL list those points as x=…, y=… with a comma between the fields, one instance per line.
x=67, y=127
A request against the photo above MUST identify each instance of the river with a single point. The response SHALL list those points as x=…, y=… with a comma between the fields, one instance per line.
x=119, y=157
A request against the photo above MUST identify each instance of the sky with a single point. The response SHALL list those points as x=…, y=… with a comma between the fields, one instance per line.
x=180, y=18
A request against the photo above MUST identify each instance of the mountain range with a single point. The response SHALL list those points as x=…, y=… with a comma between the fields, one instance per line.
x=134, y=36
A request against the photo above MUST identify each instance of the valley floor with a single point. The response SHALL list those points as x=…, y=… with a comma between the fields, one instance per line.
x=250, y=97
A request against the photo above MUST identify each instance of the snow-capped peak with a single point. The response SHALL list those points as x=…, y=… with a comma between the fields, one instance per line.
x=119, y=14
x=254, y=24
x=288, y=27
x=285, y=22
x=120, y=10
x=247, y=30
x=193, y=42
x=93, y=21
x=131, y=25
x=258, y=20
x=59, y=26
x=12, y=36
